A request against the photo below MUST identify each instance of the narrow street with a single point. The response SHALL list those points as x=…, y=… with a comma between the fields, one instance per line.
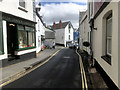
x=61, y=71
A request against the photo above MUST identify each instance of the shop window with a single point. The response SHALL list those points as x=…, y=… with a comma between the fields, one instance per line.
x=22, y=39
x=31, y=39
x=1, y=38
x=26, y=36
x=22, y=3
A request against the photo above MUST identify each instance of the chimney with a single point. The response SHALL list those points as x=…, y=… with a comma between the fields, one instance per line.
x=54, y=25
x=60, y=24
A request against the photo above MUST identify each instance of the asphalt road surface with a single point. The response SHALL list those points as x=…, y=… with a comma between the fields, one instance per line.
x=61, y=71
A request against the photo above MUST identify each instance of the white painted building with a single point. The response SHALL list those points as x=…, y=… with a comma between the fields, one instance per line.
x=17, y=29
x=63, y=33
x=40, y=31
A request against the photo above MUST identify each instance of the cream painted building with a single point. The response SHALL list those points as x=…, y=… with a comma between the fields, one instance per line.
x=104, y=19
x=84, y=32
x=17, y=30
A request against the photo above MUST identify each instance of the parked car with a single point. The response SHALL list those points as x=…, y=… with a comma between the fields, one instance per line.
x=71, y=45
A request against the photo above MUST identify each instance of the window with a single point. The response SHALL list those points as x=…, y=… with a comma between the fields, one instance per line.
x=1, y=38
x=107, y=37
x=69, y=37
x=109, y=34
x=26, y=36
x=31, y=39
x=22, y=3
x=69, y=27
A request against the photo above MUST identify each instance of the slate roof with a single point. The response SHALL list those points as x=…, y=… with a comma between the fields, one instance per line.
x=49, y=35
x=64, y=24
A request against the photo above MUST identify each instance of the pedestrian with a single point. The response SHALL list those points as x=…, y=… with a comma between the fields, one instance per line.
x=54, y=45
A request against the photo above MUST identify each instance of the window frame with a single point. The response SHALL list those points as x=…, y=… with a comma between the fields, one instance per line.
x=109, y=17
x=106, y=56
x=31, y=30
x=2, y=44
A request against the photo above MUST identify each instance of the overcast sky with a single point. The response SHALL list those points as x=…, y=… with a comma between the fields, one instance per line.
x=66, y=10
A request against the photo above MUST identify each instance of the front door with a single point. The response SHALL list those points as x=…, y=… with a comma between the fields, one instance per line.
x=11, y=39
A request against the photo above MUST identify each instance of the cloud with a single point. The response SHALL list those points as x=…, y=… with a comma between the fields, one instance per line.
x=64, y=11
x=80, y=1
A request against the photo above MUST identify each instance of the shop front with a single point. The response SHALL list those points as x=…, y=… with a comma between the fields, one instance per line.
x=20, y=39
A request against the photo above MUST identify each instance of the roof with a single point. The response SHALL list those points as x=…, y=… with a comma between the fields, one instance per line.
x=64, y=24
x=49, y=35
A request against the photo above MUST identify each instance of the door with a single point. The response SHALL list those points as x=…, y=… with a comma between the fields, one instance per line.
x=11, y=39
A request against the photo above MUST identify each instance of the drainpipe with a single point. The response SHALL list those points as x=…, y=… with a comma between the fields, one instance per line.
x=91, y=51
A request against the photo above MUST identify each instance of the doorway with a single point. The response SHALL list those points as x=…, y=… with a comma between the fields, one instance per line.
x=11, y=39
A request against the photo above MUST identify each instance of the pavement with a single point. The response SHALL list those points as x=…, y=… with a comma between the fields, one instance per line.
x=94, y=79
x=61, y=71
x=13, y=70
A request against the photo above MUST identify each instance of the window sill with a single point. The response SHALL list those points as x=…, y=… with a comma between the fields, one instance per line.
x=107, y=58
x=1, y=53
x=25, y=48
x=23, y=9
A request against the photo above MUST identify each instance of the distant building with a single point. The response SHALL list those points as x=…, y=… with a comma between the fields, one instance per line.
x=76, y=36
x=49, y=37
x=63, y=32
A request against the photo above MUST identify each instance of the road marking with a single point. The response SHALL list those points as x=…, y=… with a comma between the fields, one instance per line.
x=84, y=81
x=25, y=73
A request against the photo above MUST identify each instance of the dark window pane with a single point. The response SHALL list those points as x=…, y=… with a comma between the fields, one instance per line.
x=0, y=35
x=22, y=3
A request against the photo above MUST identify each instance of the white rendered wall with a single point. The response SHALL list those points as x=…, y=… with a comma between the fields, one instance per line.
x=40, y=30
x=11, y=7
x=60, y=36
x=67, y=33
x=4, y=56
x=98, y=48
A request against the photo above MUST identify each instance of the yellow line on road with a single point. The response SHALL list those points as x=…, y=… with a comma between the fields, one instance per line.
x=21, y=75
x=84, y=83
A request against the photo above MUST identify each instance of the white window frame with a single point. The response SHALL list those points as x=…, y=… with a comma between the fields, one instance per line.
x=108, y=37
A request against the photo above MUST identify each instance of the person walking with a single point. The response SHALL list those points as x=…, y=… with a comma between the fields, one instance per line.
x=54, y=45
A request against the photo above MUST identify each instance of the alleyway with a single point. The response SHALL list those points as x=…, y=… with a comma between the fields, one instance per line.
x=61, y=71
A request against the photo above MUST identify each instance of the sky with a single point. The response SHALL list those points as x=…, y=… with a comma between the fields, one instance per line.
x=65, y=10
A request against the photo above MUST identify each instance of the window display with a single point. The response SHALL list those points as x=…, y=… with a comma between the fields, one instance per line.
x=26, y=36
x=22, y=39
x=31, y=41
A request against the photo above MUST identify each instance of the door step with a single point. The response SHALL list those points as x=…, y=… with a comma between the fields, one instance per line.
x=11, y=58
